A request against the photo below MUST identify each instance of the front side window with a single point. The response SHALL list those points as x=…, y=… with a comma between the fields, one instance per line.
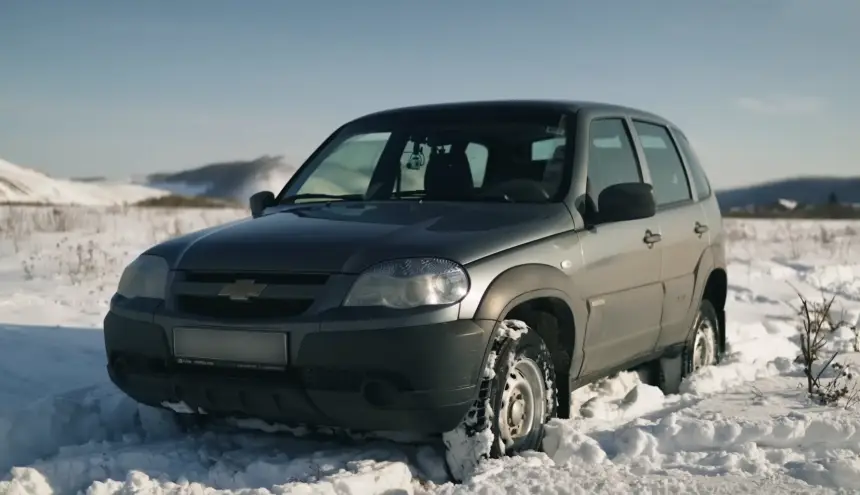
x=440, y=156
x=611, y=156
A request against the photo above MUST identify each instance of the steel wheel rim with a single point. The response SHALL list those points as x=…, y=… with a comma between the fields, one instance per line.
x=704, y=345
x=523, y=402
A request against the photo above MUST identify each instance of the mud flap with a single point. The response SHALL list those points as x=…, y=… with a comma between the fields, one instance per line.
x=671, y=374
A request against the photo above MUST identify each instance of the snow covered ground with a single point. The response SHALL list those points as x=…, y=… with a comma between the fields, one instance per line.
x=23, y=185
x=744, y=426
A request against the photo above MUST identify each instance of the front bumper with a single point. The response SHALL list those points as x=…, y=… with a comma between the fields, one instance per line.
x=417, y=378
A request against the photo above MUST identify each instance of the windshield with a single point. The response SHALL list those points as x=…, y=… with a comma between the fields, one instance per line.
x=443, y=158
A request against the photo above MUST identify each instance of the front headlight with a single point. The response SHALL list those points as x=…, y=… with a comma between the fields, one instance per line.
x=410, y=283
x=144, y=277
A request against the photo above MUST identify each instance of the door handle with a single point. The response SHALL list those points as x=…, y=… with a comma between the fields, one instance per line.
x=651, y=238
x=700, y=228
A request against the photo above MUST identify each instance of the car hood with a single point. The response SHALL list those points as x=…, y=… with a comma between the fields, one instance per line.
x=349, y=237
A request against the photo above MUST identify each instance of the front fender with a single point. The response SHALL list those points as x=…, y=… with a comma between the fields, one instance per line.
x=528, y=282
x=521, y=283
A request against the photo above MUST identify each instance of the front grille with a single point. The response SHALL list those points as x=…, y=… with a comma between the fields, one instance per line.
x=285, y=295
x=261, y=278
x=252, y=309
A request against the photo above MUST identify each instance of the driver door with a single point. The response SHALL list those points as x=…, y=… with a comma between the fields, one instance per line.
x=621, y=278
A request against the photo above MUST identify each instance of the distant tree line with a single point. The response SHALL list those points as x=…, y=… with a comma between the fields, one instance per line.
x=832, y=209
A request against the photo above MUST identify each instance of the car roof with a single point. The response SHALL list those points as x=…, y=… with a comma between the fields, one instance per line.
x=571, y=106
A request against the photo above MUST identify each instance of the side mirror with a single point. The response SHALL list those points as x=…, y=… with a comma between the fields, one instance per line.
x=260, y=201
x=627, y=201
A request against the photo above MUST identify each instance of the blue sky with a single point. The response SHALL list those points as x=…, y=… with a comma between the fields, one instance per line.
x=765, y=89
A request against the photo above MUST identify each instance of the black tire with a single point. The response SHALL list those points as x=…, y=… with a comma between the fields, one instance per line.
x=521, y=367
x=189, y=423
x=706, y=321
x=705, y=331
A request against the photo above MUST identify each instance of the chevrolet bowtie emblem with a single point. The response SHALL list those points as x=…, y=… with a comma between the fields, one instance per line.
x=242, y=290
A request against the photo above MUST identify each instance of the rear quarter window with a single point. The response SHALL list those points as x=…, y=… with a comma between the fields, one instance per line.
x=700, y=178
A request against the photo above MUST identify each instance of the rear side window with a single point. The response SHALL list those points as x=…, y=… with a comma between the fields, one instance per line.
x=611, y=158
x=700, y=179
x=664, y=162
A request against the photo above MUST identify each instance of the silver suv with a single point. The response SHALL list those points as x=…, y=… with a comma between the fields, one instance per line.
x=453, y=269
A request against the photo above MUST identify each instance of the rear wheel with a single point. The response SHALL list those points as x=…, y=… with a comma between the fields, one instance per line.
x=702, y=350
x=518, y=396
x=705, y=348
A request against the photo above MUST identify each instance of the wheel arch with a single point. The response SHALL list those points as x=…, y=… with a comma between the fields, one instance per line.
x=711, y=284
x=536, y=289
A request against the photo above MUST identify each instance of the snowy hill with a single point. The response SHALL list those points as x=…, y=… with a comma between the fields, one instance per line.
x=236, y=180
x=23, y=185
x=741, y=427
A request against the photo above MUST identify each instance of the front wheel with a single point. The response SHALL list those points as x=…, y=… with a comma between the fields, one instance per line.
x=518, y=395
x=190, y=422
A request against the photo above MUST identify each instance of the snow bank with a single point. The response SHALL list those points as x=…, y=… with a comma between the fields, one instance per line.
x=802, y=445
x=99, y=441
x=81, y=418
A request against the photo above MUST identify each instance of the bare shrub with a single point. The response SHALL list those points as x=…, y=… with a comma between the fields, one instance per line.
x=29, y=267
x=815, y=325
x=840, y=388
x=793, y=236
x=826, y=236
x=85, y=261
x=176, y=228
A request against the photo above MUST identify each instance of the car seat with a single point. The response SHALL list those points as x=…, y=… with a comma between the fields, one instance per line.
x=448, y=175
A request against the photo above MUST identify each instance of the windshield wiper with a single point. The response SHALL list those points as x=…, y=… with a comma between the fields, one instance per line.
x=341, y=197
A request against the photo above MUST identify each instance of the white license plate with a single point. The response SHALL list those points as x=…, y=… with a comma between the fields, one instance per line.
x=230, y=346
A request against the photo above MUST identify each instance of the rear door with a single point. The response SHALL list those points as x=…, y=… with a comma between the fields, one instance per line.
x=621, y=274
x=701, y=185
x=682, y=223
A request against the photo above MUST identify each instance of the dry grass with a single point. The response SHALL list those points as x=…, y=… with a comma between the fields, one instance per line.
x=836, y=240
x=79, y=244
x=177, y=201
